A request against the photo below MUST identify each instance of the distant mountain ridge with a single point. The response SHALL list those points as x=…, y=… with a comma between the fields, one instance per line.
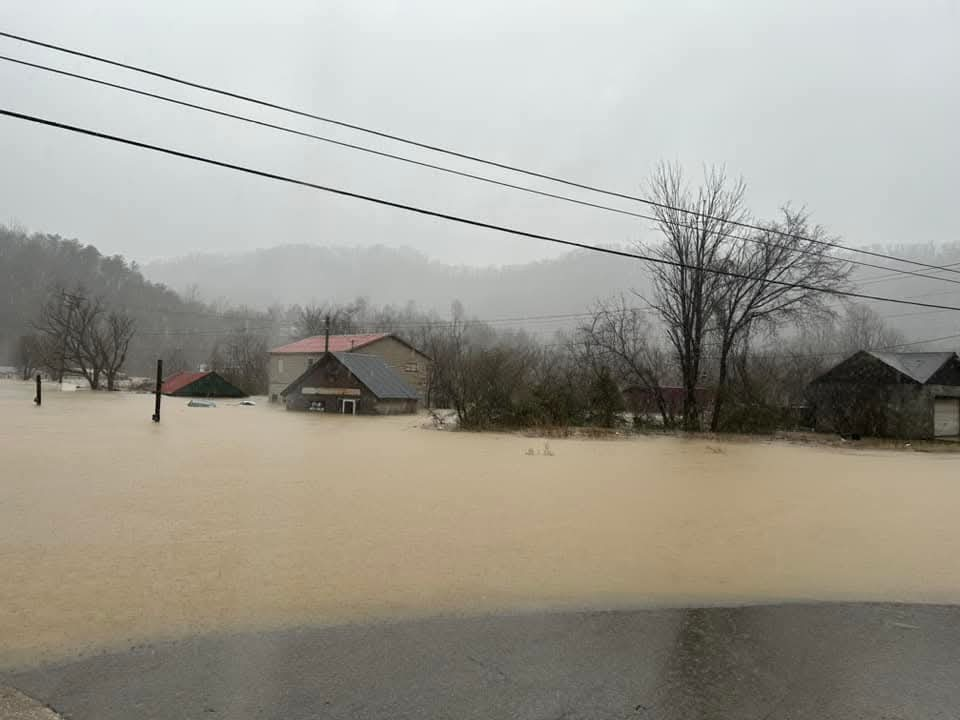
x=302, y=274
x=290, y=274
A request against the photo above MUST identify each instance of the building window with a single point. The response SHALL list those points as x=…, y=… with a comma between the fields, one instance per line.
x=280, y=366
x=310, y=361
x=411, y=367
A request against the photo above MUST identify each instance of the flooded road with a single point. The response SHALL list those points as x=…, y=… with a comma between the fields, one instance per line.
x=114, y=530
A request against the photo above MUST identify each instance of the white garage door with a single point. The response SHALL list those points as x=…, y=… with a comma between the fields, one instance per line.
x=946, y=416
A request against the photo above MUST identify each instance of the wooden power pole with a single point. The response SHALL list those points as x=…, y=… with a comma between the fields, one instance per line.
x=156, y=407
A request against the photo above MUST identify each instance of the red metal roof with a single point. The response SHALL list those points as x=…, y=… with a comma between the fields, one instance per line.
x=180, y=381
x=338, y=343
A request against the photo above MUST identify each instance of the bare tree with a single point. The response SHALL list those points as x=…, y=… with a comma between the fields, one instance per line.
x=243, y=360
x=29, y=355
x=175, y=360
x=54, y=327
x=312, y=319
x=862, y=328
x=603, y=399
x=620, y=335
x=781, y=274
x=448, y=347
x=83, y=355
x=68, y=322
x=111, y=342
x=696, y=227
x=78, y=335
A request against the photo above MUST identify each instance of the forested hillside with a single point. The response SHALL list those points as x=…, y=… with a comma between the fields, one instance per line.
x=37, y=267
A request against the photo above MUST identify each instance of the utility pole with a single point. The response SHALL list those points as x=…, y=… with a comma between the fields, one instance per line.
x=156, y=408
x=326, y=335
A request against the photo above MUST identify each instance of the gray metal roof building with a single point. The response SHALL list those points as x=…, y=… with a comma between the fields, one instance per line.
x=919, y=366
x=353, y=383
x=895, y=394
x=373, y=371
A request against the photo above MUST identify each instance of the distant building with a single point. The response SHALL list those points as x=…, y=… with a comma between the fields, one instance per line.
x=288, y=362
x=351, y=383
x=200, y=384
x=887, y=394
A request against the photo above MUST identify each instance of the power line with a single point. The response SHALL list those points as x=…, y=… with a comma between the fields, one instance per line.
x=887, y=347
x=841, y=353
x=382, y=326
x=883, y=278
x=911, y=314
x=440, y=168
x=921, y=342
x=455, y=218
x=448, y=151
x=476, y=321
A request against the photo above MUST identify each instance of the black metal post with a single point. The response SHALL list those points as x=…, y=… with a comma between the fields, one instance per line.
x=156, y=409
x=39, y=398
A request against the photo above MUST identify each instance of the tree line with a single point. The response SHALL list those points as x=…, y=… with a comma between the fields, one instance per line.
x=734, y=327
x=692, y=341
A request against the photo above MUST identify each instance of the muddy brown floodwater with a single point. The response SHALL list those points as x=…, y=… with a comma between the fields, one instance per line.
x=114, y=530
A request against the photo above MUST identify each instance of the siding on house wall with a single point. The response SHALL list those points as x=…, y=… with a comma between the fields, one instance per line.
x=331, y=374
x=412, y=366
x=284, y=369
x=909, y=412
x=900, y=411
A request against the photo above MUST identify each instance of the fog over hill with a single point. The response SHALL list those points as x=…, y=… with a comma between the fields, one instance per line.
x=291, y=274
x=304, y=273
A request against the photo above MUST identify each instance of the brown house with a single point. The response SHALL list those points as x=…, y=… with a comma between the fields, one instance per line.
x=351, y=383
x=289, y=362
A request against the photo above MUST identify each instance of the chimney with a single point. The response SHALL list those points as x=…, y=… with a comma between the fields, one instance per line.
x=326, y=336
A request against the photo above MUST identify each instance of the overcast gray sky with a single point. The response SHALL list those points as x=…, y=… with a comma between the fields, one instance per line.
x=851, y=108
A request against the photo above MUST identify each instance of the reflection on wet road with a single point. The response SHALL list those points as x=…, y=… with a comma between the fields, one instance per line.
x=821, y=662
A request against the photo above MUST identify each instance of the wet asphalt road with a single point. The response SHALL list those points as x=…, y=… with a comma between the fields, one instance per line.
x=764, y=662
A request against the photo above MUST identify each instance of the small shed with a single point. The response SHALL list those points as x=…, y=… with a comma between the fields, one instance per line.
x=200, y=384
x=888, y=394
x=351, y=383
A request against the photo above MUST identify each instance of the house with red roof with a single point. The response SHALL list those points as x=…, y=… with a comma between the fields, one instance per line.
x=200, y=384
x=289, y=362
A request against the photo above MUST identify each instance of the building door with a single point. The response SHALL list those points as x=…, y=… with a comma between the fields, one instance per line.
x=946, y=417
x=349, y=406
